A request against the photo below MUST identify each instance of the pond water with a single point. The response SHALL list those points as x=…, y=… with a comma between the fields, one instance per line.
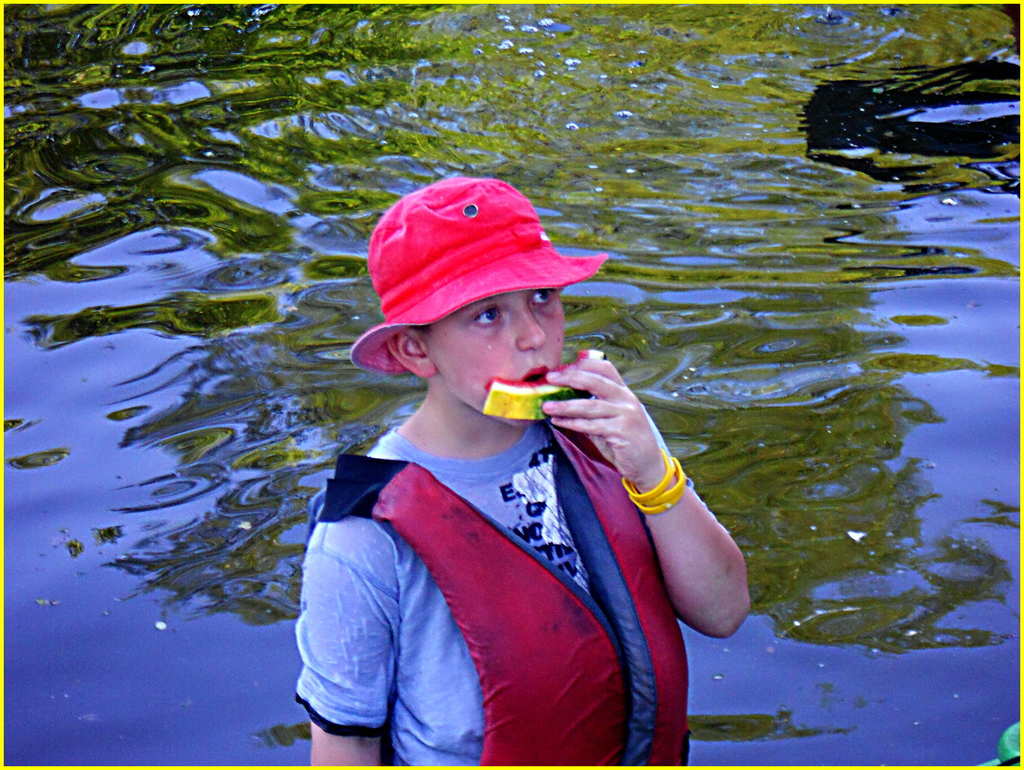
x=813, y=217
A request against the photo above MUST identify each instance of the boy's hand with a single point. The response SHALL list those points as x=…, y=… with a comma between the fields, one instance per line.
x=614, y=419
x=705, y=574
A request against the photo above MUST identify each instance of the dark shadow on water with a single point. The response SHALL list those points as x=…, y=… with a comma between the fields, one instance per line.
x=955, y=111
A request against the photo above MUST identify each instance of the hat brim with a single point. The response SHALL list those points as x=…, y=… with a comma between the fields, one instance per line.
x=542, y=268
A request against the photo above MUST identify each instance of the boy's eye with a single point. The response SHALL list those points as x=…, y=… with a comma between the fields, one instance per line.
x=541, y=296
x=490, y=315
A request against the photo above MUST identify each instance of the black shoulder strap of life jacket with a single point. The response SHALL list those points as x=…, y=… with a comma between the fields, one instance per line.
x=609, y=589
x=353, y=491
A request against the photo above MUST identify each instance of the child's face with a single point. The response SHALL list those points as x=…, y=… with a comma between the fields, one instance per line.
x=512, y=336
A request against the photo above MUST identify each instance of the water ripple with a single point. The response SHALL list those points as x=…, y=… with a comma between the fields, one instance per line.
x=211, y=175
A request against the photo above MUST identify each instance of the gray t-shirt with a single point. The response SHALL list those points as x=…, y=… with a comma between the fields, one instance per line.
x=375, y=634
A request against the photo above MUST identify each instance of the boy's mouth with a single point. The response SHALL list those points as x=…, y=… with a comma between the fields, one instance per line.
x=536, y=375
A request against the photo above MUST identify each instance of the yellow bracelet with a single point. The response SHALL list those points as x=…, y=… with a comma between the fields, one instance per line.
x=670, y=496
x=659, y=489
x=653, y=510
x=662, y=497
x=654, y=494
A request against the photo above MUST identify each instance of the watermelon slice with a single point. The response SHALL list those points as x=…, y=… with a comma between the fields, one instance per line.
x=522, y=399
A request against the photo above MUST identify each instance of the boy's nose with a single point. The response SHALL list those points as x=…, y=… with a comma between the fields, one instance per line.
x=529, y=332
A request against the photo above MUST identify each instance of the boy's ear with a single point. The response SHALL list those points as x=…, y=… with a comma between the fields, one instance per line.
x=408, y=348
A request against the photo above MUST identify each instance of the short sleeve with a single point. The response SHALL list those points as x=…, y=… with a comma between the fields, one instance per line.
x=348, y=625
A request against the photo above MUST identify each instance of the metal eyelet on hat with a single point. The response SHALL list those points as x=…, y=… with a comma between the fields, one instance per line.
x=471, y=210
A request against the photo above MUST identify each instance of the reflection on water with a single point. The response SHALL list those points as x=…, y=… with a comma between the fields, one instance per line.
x=189, y=195
x=752, y=727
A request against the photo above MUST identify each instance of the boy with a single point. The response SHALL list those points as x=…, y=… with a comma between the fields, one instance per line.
x=482, y=590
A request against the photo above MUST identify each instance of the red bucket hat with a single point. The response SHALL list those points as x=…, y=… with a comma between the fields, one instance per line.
x=452, y=243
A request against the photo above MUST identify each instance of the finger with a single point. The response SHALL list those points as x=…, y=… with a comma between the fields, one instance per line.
x=601, y=366
x=599, y=428
x=592, y=382
x=588, y=408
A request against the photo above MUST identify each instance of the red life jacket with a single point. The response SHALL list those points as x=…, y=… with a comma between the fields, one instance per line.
x=568, y=678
